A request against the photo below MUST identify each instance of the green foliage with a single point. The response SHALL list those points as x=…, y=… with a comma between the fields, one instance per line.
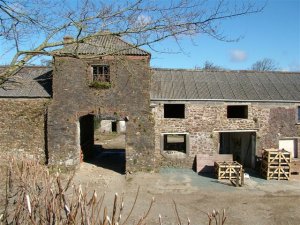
x=100, y=85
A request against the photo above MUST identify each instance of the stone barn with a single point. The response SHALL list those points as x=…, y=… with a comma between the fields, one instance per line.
x=23, y=113
x=168, y=116
x=224, y=112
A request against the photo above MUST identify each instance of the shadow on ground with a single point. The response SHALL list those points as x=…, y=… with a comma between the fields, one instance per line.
x=111, y=159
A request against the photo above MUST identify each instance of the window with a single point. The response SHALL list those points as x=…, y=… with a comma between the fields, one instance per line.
x=101, y=73
x=298, y=114
x=174, y=111
x=175, y=142
x=237, y=111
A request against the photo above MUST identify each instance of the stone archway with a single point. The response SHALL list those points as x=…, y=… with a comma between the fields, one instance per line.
x=101, y=144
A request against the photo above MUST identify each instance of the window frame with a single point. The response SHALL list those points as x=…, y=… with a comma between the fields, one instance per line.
x=101, y=75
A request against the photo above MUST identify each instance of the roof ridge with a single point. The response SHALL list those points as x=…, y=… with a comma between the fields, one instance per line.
x=104, y=43
x=120, y=38
x=226, y=71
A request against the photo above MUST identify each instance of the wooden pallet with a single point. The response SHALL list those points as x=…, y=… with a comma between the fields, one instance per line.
x=228, y=170
x=276, y=157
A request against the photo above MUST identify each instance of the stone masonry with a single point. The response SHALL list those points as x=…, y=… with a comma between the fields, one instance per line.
x=22, y=128
x=128, y=97
x=204, y=120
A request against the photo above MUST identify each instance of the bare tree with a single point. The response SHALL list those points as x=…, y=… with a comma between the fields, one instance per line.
x=210, y=66
x=32, y=28
x=265, y=64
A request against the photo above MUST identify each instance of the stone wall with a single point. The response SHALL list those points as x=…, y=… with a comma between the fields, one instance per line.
x=22, y=128
x=204, y=120
x=128, y=97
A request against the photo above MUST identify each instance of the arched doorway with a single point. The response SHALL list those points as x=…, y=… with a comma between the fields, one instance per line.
x=102, y=142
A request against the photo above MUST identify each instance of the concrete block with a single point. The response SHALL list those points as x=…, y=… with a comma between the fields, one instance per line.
x=105, y=126
x=121, y=126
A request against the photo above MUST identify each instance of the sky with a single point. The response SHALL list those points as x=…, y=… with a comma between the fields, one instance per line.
x=273, y=33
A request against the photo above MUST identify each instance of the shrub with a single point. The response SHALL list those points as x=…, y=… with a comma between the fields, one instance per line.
x=36, y=197
x=100, y=85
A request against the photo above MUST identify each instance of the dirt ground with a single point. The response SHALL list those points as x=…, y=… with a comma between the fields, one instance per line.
x=258, y=202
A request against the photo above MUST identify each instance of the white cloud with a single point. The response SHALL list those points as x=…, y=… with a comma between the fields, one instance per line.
x=238, y=55
x=142, y=20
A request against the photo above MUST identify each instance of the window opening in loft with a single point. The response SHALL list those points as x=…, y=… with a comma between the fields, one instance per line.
x=101, y=73
x=174, y=111
x=175, y=142
x=237, y=111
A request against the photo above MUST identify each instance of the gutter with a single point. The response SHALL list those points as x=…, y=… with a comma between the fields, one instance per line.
x=223, y=100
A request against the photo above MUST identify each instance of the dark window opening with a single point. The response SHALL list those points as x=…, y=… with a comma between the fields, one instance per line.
x=114, y=126
x=237, y=111
x=174, y=111
x=175, y=142
x=298, y=114
x=101, y=73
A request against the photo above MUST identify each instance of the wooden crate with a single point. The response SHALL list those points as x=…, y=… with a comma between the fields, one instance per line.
x=228, y=170
x=276, y=157
x=276, y=164
x=275, y=172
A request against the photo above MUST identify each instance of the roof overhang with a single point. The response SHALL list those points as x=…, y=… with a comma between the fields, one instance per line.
x=223, y=100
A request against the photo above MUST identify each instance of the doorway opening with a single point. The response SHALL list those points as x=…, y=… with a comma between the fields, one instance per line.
x=86, y=136
x=242, y=145
x=114, y=126
x=101, y=147
x=289, y=145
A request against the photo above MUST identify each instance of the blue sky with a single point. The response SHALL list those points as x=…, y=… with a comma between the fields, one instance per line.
x=273, y=33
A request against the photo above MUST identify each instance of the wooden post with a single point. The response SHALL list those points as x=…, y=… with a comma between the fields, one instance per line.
x=237, y=181
x=242, y=177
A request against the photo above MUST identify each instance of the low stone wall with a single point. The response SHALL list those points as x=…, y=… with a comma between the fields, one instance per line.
x=22, y=128
x=205, y=120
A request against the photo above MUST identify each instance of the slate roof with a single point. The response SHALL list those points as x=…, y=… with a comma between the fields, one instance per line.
x=170, y=84
x=29, y=82
x=179, y=85
x=104, y=44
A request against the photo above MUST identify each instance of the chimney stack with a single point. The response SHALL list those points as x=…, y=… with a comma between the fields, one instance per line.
x=68, y=39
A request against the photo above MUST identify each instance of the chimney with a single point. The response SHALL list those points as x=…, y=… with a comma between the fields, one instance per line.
x=68, y=39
